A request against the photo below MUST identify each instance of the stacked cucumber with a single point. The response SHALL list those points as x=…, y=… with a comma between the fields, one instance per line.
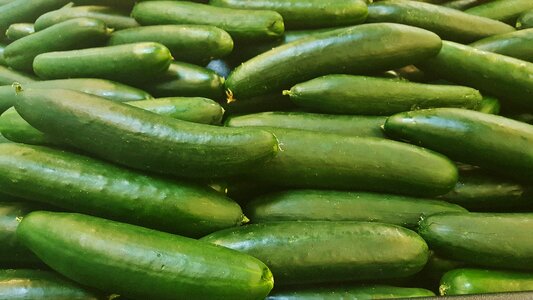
x=277, y=149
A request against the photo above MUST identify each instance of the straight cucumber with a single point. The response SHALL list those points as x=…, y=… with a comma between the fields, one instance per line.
x=144, y=140
x=448, y=23
x=320, y=252
x=350, y=292
x=479, y=281
x=24, y=11
x=463, y=4
x=525, y=20
x=180, y=267
x=503, y=10
x=19, y=30
x=357, y=49
x=515, y=44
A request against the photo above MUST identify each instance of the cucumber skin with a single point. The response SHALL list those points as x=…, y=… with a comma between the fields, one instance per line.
x=19, y=30
x=480, y=281
x=350, y=292
x=320, y=252
x=489, y=105
x=502, y=10
x=449, y=24
x=525, y=20
x=463, y=4
x=113, y=192
x=348, y=50
x=131, y=260
x=9, y=76
x=2, y=59
x=499, y=240
x=493, y=142
x=515, y=44
x=204, y=151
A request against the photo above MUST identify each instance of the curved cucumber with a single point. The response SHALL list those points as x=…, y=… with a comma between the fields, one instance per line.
x=347, y=94
x=350, y=292
x=91, y=251
x=503, y=10
x=187, y=43
x=357, y=49
x=318, y=252
x=479, y=281
x=19, y=30
x=137, y=62
x=322, y=205
x=525, y=20
x=463, y=4
x=24, y=11
x=486, y=239
x=515, y=44
x=144, y=140
x=117, y=193
x=449, y=24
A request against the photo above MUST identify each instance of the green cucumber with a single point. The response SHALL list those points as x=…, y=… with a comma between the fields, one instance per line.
x=16, y=129
x=239, y=23
x=69, y=35
x=24, y=284
x=112, y=17
x=357, y=49
x=525, y=20
x=503, y=10
x=320, y=252
x=19, y=30
x=3, y=140
x=493, y=142
x=489, y=105
x=323, y=205
x=9, y=76
x=137, y=62
x=114, y=192
x=500, y=240
x=480, y=281
x=132, y=261
x=448, y=23
x=24, y=11
x=515, y=44
x=144, y=140
x=501, y=76
x=340, y=124
x=187, y=43
x=306, y=13
x=463, y=4
x=348, y=94
x=350, y=292
x=330, y=161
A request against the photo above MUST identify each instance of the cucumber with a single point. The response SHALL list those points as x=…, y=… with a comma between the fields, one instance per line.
x=322, y=205
x=23, y=284
x=525, y=20
x=340, y=124
x=499, y=240
x=19, y=30
x=489, y=105
x=24, y=11
x=515, y=44
x=122, y=4
x=112, y=17
x=330, y=161
x=350, y=292
x=306, y=13
x=463, y=4
x=16, y=129
x=69, y=35
x=144, y=140
x=348, y=94
x=357, y=49
x=448, y=23
x=480, y=281
x=503, y=10
x=88, y=185
x=132, y=260
x=320, y=252
x=137, y=62
x=493, y=142
x=187, y=43
x=501, y=76
x=9, y=76
x=239, y=23
x=3, y=140
x=2, y=59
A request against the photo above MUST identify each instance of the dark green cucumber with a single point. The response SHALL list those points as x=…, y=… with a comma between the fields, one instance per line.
x=19, y=30
x=187, y=43
x=350, y=292
x=24, y=11
x=448, y=23
x=69, y=35
x=114, y=18
x=357, y=49
x=239, y=23
x=340, y=124
x=88, y=185
x=489, y=105
x=500, y=240
x=24, y=284
x=187, y=80
x=503, y=10
x=480, y=281
x=323, y=205
x=348, y=94
x=330, y=161
x=463, y=4
x=525, y=20
x=144, y=140
x=502, y=76
x=306, y=13
x=139, y=62
x=320, y=252
x=516, y=44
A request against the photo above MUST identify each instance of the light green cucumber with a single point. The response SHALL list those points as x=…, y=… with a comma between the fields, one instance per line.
x=503, y=10
x=19, y=30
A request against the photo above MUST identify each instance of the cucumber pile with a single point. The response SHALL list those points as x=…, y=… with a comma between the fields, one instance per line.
x=273, y=149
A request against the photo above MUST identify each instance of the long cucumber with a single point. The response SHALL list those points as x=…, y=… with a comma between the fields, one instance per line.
x=515, y=44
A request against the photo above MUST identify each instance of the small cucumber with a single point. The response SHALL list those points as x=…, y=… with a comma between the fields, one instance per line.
x=503, y=10
x=24, y=11
x=515, y=44
x=463, y=4
x=321, y=252
x=141, y=263
x=19, y=30
x=137, y=62
x=525, y=20
x=350, y=292
x=480, y=281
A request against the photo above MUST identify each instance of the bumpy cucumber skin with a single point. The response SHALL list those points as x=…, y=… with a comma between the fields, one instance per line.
x=525, y=20
x=95, y=187
x=19, y=30
x=350, y=292
x=503, y=10
x=480, y=281
x=319, y=252
x=132, y=260
x=515, y=44
x=119, y=133
x=357, y=49
x=500, y=240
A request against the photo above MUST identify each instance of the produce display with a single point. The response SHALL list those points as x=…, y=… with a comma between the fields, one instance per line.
x=273, y=149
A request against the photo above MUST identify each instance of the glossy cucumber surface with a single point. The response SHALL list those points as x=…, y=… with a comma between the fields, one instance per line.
x=480, y=281
x=515, y=44
x=503, y=10
x=19, y=30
